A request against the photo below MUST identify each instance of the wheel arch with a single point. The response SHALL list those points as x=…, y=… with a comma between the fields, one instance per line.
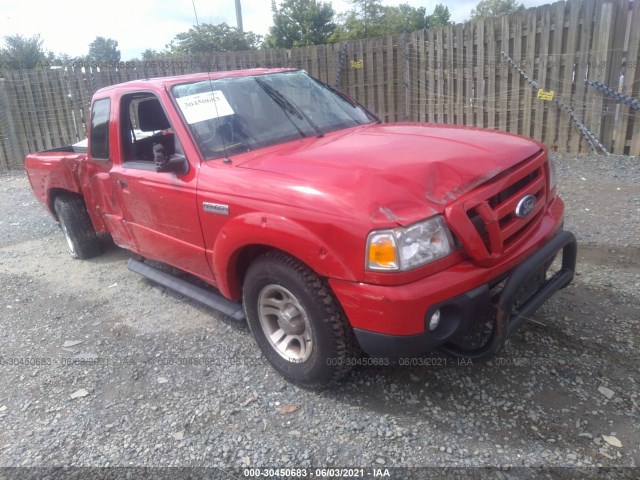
x=58, y=192
x=245, y=238
x=71, y=213
x=96, y=219
x=297, y=322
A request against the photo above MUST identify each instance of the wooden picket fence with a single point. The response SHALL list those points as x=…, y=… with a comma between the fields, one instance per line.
x=454, y=75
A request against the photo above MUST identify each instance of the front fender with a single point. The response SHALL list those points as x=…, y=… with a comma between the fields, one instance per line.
x=272, y=231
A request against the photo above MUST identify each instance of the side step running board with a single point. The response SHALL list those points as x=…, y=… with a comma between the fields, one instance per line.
x=210, y=299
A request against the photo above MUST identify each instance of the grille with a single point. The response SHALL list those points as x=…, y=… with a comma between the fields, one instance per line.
x=487, y=223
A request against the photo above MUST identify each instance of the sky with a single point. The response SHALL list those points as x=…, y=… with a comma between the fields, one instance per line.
x=69, y=26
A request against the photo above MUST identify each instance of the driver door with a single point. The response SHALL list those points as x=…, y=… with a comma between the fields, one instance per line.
x=159, y=208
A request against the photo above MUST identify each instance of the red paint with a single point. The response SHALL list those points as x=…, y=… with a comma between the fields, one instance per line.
x=399, y=310
x=317, y=199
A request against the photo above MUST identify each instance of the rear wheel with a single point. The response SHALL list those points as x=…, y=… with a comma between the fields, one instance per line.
x=76, y=225
x=296, y=321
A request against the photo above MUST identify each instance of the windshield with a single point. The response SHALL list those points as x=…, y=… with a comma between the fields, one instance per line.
x=235, y=115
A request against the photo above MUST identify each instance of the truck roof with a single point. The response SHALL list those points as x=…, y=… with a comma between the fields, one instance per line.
x=159, y=82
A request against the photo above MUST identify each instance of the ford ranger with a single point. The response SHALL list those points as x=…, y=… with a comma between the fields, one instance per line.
x=332, y=233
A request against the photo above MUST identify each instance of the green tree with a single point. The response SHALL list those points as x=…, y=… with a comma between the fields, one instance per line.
x=22, y=52
x=362, y=21
x=403, y=19
x=495, y=8
x=208, y=38
x=104, y=50
x=441, y=17
x=369, y=18
x=59, y=60
x=298, y=23
x=150, y=54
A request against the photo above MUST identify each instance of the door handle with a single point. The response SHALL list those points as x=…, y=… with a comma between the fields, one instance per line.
x=122, y=183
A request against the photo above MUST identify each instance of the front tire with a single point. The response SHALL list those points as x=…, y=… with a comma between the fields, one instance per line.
x=76, y=225
x=296, y=322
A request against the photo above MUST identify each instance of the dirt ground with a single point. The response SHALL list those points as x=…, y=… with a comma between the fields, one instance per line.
x=564, y=392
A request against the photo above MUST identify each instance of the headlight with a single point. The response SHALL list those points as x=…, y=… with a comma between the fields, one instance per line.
x=553, y=175
x=402, y=249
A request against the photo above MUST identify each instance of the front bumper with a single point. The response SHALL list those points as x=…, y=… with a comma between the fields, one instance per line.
x=461, y=312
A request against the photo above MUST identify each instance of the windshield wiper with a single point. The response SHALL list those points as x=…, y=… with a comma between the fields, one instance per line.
x=289, y=107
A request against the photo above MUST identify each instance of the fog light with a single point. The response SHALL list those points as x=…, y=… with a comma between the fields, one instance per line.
x=434, y=321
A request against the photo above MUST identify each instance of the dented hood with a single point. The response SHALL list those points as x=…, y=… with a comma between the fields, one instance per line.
x=403, y=172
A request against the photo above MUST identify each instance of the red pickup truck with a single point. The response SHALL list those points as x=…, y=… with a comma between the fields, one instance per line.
x=331, y=232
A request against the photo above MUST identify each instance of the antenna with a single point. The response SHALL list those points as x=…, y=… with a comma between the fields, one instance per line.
x=213, y=95
x=193, y=2
x=239, y=15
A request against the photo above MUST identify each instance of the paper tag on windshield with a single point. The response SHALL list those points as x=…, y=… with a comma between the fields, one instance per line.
x=204, y=106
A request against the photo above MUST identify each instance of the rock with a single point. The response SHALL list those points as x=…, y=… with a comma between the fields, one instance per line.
x=586, y=435
x=607, y=392
x=613, y=441
x=178, y=436
x=72, y=343
x=87, y=357
x=80, y=393
x=3, y=408
x=162, y=380
x=288, y=408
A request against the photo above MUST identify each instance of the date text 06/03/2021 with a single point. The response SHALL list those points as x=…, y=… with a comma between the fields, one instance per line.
x=378, y=472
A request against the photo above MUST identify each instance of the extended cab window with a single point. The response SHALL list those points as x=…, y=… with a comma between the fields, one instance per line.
x=146, y=131
x=99, y=144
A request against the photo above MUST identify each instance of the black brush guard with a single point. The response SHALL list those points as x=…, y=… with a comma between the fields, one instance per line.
x=508, y=317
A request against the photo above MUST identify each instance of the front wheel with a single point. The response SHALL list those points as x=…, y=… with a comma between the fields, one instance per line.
x=76, y=225
x=296, y=321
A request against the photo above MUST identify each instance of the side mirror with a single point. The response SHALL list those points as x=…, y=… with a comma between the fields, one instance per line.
x=175, y=163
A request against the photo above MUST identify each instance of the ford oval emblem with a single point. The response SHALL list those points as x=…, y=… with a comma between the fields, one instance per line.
x=525, y=206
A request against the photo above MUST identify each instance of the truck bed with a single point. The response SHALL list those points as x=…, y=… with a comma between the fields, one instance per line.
x=54, y=168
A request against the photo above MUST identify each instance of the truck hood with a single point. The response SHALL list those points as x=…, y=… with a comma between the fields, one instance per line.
x=403, y=172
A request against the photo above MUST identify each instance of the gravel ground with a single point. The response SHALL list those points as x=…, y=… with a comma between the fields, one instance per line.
x=161, y=381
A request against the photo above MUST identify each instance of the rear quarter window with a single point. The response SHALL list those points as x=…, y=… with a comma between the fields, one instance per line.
x=99, y=134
